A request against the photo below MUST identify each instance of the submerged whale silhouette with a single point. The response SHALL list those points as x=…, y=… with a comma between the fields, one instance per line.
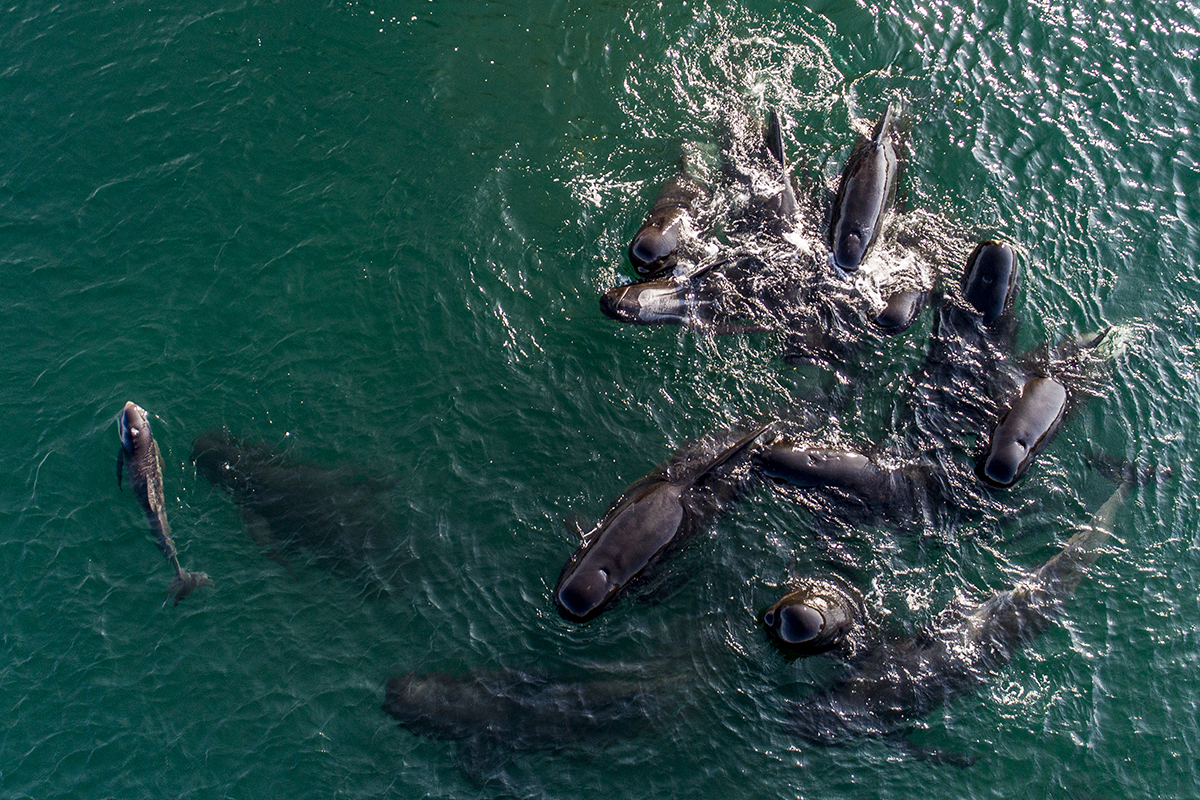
x=336, y=517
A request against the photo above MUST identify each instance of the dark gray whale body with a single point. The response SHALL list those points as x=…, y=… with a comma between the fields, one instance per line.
x=140, y=455
x=652, y=251
x=889, y=494
x=336, y=517
x=967, y=373
x=865, y=195
x=897, y=682
x=1023, y=432
x=516, y=710
x=650, y=518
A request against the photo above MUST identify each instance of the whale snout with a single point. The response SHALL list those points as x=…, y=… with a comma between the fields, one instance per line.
x=850, y=251
x=1023, y=432
x=814, y=618
x=652, y=250
x=582, y=595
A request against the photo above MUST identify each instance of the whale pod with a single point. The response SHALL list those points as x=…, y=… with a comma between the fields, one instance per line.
x=1023, y=432
x=864, y=196
x=650, y=517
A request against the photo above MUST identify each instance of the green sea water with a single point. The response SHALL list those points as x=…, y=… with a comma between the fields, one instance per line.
x=373, y=235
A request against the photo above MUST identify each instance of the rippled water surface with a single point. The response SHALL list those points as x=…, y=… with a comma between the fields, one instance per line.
x=372, y=236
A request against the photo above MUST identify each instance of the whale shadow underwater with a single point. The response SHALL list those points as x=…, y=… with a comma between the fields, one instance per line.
x=334, y=517
x=494, y=715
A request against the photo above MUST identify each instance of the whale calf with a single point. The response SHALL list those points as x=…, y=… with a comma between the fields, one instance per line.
x=652, y=516
x=140, y=455
x=865, y=195
x=899, y=681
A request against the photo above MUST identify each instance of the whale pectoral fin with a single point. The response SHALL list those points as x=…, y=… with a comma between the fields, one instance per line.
x=577, y=526
x=260, y=531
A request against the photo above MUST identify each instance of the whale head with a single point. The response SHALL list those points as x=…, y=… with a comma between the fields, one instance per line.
x=850, y=249
x=901, y=310
x=652, y=250
x=663, y=301
x=133, y=426
x=990, y=279
x=1023, y=432
x=629, y=539
x=814, y=618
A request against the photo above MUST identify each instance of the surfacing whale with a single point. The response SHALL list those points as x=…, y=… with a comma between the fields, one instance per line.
x=650, y=518
x=865, y=195
x=899, y=681
x=654, y=247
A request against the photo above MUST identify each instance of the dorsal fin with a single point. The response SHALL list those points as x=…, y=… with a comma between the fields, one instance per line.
x=883, y=127
x=729, y=452
x=773, y=138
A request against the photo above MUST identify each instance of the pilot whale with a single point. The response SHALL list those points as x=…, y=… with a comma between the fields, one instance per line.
x=653, y=249
x=967, y=373
x=650, y=518
x=865, y=195
x=514, y=709
x=819, y=614
x=336, y=517
x=140, y=455
x=899, y=681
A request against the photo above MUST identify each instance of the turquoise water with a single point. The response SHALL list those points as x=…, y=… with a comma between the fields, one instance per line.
x=373, y=235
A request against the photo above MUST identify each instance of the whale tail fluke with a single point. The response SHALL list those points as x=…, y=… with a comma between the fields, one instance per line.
x=184, y=583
